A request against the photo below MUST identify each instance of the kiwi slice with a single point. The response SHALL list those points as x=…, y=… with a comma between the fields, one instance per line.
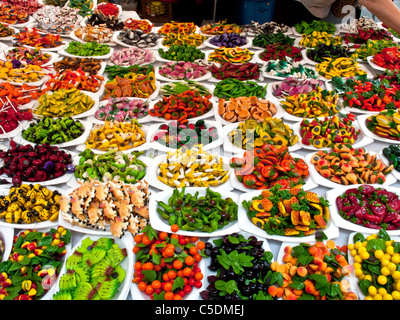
x=73, y=260
x=81, y=275
x=68, y=281
x=119, y=274
x=102, y=268
x=116, y=255
x=104, y=242
x=84, y=291
x=86, y=245
x=97, y=254
x=62, y=295
x=96, y=280
x=108, y=289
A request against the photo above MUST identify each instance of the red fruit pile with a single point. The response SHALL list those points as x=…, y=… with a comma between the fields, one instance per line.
x=10, y=118
x=37, y=163
x=388, y=58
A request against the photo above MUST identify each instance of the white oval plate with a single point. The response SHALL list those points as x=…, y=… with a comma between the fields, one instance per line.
x=103, y=57
x=151, y=97
x=136, y=294
x=390, y=179
x=362, y=140
x=204, y=77
x=38, y=83
x=331, y=196
x=157, y=119
x=245, y=224
x=230, y=147
x=11, y=134
x=164, y=47
x=87, y=113
x=103, y=65
x=74, y=182
x=54, y=49
x=53, y=56
x=121, y=43
x=93, y=118
x=21, y=25
x=7, y=236
x=154, y=171
x=159, y=224
x=127, y=264
x=9, y=38
x=279, y=111
x=374, y=65
x=207, y=43
x=158, y=146
x=37, y=225
x=49, y=293
x=361, y=120
x=86, y=124
x=74, y=37
x=309, y=183
x=143, y=147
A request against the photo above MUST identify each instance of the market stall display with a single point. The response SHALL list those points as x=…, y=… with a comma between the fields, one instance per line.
x=127, y=137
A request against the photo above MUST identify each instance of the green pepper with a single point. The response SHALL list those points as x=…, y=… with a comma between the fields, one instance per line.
x=172, y=219
x=166, y=207
x=163, y=214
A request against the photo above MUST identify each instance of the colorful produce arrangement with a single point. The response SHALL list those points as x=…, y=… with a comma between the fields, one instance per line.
x=266, y=27
x=234, y=88
x=291, y=86
x=93, y=271
x=318, y=271
x=87, y=49
x=315, y=25
x=245, y=71
x=11, y=117
x=182, y=107
x=379, y=282
x=322, y=51
x=195, y=212
x=385, y=124
x=39, y=163
x=115, y=135
x=266, y=166
x=288, y=212
x=363, y=35
x=98, y=18
x=174, y=135
x=192, y=167
x=53, y=131
x=122, y=109
x=181, y=53
x=254, y=134
x=56, y=20
x=388, y=58
x=138, y=38
x=12, y=15
x=280, y=52
x=181, y=70
x=264, y=39
x=88, y=65
x=5, y=31
x=315, y=38
x=326, y=132
x=96, y=34
x=178, y=87
x=289, y=68
x=143, y=24
x=339, y=67
x=21, y=73
x=29, y=56
x=33, y=204
x=313, y=104
x=233, y=55
x=220, y=27
x=30, y=280
x=32, y=38
x=372, y=47
x=241, y=269
x=110, y=166
x=228, y=40
x=169, y=271
x=18, y=95
x=344, y=165
x=243, y=108
x=63, y=103
x=370, y=207
x=110, y=205
x=367, y=94
x=177, y=27
x=191, y=39
x=132, y=56
x=70, y=79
